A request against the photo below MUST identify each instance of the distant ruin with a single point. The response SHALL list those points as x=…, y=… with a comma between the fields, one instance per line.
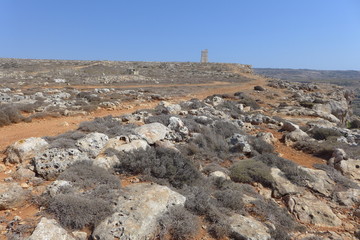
x=204, y=56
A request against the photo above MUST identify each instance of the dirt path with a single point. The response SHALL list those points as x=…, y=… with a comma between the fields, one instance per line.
x=54, y=126
x=287, y=152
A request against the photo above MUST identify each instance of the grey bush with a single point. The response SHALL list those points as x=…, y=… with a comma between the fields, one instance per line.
x=179, y=223
x=161, y=163
x=289, y=168
x=250, y=170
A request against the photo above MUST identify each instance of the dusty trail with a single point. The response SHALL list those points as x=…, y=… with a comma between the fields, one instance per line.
x=54, y=126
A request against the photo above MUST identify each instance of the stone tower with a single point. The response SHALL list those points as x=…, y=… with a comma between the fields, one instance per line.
x=204, y=56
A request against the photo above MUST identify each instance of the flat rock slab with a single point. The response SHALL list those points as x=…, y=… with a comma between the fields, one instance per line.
x=92, y=143
x=248, y=228
x=25, y=149
x=49, y=229
x=152, y=132
x=137, y=212
x=308, y=209
x=282, y=185
x=321, y=181
x=11, y=195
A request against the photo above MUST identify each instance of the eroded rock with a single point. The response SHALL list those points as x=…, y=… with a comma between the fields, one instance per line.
x=136, y=212
x=11, y=195
x=152, y=132
x=308, y=209
x=49, y=229
x=52, y=162
x=24, y=150
x=248, y=228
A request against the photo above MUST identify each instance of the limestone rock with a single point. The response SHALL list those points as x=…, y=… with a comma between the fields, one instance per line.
x=289, y=126
x=52, y=162
x=24, y=150
x=11, y=195
x=350, y=168
x=267, y=137
x=248, y=228
x=219, y=174
x=23, y=174
x=152, y=132
x=349, y=197
x=321, y=181
x=308, y=209
x=178, y=125
x=107, y=162
x=214, y=100
x=282, y=185
x=295, y=136
x=49, y=229
x=239, y=142
x=125, y=144
x=137, y=211
x=92, y=143
x=57, y=186
x=170, y=108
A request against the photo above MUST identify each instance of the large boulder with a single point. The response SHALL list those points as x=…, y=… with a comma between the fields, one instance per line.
x=349, y=197
x=52, y=162
x=248, y=228
x=137, y=212
x=295, y=136
x=310, y=210
x=289, y=126
x=282, y=186
x=92, y=143
x=152, y=132
x=267, y=137
x=23, y=173
x=239, y=142
x=11, y=195
x=121, y=144
x=25, y=149
x=49, y=229
x=350, y=168
x=178, y=125
x=170, y=108
x=320, y=181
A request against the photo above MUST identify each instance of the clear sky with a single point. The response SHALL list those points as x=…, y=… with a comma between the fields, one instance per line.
x=315, y=34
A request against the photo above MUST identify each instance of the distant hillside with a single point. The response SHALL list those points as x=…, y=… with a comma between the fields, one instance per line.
x=345, y=78
x=350, y=79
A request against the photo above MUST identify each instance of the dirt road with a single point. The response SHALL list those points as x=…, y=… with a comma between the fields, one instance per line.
x=54, y=126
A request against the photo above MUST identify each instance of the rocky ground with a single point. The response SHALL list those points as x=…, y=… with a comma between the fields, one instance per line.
x=256, y=160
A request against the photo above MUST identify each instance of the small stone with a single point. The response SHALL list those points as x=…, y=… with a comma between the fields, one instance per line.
x=80, y=235
x=2, y=168
x=24, y=185
x=8, y=179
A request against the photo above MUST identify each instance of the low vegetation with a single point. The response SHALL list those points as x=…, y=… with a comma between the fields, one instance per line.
x=250, y=170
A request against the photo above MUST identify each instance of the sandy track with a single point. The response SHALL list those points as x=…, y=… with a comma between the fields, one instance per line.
x=54, y=126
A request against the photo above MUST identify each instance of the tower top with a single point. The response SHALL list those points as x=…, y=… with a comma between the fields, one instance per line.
x=204, y=56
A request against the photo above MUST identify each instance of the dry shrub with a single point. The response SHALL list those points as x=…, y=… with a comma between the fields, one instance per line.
x=250, y=170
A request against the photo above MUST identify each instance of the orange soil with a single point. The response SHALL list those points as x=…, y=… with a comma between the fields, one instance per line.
x=54, y=126
x=290, y=153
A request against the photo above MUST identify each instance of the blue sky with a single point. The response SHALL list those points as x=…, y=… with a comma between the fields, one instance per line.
x=315, y=34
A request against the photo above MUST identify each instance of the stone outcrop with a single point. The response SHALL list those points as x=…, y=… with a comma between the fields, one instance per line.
x=136, y=212
x=248, y=228
x=152, y=132
x=11, y=195
x=92, y=143
x=24, y=150
x=308, y=209
x=49, y=229
x=50, y=163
